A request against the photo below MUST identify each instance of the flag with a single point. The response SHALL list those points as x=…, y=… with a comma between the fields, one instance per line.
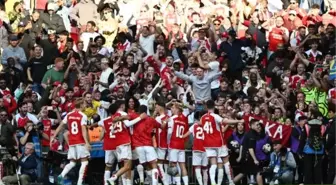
x=332, y=71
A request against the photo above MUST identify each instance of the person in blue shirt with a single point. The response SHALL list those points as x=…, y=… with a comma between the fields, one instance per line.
x=282, y=164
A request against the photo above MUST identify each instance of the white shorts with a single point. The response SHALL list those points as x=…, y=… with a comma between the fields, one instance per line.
x=162, y=153
x=77, y=152
x=124, y=152
x=217, y=152
x=146, y=154
x=110, y=157
x=176, y=155
x=199, y=159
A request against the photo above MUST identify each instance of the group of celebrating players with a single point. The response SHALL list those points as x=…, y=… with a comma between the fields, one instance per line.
x=129, y=137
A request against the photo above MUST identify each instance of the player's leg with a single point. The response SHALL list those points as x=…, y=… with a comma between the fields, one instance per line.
x=72, y=156
x=224, y=154
x=197, y=162
x=212, y=155
x=109, y=160
x=161, y=153
x=220, y=171
x=82, y=171
x=205, y=168
x=83, y=154
x=181, y=161
x=124, y=153
x=151, y=159
x=173, y=159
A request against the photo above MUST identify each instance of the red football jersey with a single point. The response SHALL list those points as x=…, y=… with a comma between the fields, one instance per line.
x=161, y=134
x=198, y=142
x=142, y=132
x=121, y=134
x=75, y=120
x=212, y=131
x=47, y=123
x=109, y=143
x=276, y=37
x=179, y=126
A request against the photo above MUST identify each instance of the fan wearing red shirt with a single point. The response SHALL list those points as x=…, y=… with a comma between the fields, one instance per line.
x=299, y=77
x=177, y=127
x=79, y=145
x=118, y=136
x=159, y=65
x=142, y=140
x=161, y=137
x=199, y=158
x=277, y=35
x=213, y=143
x=47, y=124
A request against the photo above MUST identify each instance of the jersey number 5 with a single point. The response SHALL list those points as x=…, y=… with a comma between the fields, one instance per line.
x=115, y=128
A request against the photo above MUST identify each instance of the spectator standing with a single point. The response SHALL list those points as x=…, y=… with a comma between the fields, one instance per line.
x=83, y=12
x=51, y=20
x=64, y=12
x=89, y=34
x=55, y=74
x=37, y=67
x=15, y=51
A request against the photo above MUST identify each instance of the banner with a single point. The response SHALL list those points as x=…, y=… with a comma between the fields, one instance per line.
x=275, y=130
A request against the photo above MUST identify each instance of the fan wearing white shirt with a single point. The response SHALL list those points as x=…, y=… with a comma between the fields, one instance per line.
x=89, y=34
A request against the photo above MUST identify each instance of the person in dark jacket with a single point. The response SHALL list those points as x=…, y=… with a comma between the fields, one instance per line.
x=51, y=20
x=27, y=167
x=330, y=144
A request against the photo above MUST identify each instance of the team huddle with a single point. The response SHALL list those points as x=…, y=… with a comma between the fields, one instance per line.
x=158, y=144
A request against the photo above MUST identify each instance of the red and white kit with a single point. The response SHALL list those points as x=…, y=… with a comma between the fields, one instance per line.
x=213, y=142
x=199, y=155
x=75, y=121
x=177, y=127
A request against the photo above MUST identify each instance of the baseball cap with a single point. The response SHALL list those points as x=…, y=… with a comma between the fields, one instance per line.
x=13, y=38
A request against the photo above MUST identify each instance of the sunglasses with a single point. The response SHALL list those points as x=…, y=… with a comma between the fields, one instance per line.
x=216, y=24
x=292, y=14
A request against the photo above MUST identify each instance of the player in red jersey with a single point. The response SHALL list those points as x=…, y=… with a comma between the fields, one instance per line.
x=161, y=139
x=199, y=158
x=213, y=143
x=142, y=141
x=177, y=127
x=79, y=145
x=120, y=139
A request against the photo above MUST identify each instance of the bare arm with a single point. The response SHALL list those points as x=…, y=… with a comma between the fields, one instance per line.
x=85, y=134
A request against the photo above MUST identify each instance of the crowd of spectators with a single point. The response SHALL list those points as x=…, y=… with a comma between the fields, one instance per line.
x=270, y=59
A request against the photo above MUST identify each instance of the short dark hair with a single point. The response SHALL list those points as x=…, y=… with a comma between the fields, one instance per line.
x=210, y=104
x=253, y=121
x=92, y=23
x=142, y=109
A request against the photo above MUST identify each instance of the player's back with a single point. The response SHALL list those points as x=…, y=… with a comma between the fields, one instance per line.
x=212, y=131
x=142, y=132
x=121, y=134
x=161, y=134
x=198, y=135
x=179, y=128
x=107, y=123
x=75, y=120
